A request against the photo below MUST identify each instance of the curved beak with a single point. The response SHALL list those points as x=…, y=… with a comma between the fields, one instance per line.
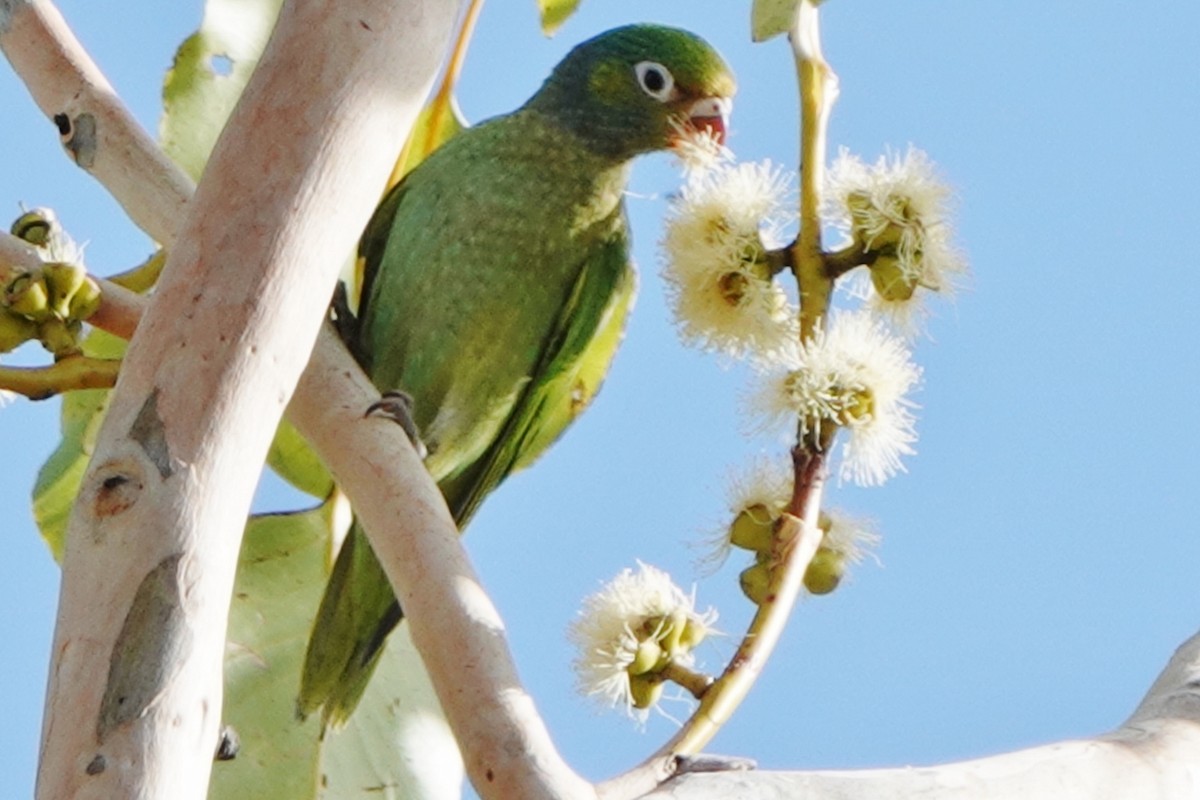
x=710, y=115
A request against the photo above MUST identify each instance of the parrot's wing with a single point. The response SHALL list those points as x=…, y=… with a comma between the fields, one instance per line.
x=371, y=248
x=574, y=360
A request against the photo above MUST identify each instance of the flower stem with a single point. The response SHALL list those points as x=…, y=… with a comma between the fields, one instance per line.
x=65, y=375
x=797, y=540
x=818, y=90
x=695, y=683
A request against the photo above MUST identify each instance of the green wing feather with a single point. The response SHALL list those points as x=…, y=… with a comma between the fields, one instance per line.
x=572, y=366
x=358, y=609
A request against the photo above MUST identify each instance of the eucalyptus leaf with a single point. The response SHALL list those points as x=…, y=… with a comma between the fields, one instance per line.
x=769, y=18
x=396, y=745
x=555, y=13
x=210, y=70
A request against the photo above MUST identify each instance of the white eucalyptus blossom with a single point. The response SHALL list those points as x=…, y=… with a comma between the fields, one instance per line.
x=897, y=208
x=718, y=232
x=699, y=150
x=629, y=630
x=854, y=538
x=853, y=374
x=756, y=496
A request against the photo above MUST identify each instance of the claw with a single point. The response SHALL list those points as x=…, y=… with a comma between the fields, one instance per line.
x=397, y=406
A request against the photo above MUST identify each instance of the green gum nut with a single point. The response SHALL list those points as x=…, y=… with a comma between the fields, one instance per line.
x=753, y=529
x=15, y=330
x=63, y=281
x=825, y=571
x=59, y=337
x=670, y=632
x=694, y=632
x=756, y=581
x=645, y=690
x=86, y=300
x=28, y=296
x=892, y=282
x=646, y=659
x=34, y=227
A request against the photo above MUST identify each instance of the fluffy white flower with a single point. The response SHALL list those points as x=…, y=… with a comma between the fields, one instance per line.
x=699, y=150
x=632, y=609
x=50, y=238
x=853, y=374
x=762, y=491
x=719, y=229
x=898, y=208
x=852, y=537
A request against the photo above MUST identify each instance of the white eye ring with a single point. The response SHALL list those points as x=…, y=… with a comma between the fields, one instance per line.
x=655, y=80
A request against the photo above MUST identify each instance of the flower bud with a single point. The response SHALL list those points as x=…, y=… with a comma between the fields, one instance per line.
x=15, y=330
x=891, y=280
x=86, y=300
x=825, y=571
x=60, y=337
x=753, y=529
x=645, y=690
x=756, y=581
x=646, y=658
x=35, y=227
x=63, y=280
x=27, y=295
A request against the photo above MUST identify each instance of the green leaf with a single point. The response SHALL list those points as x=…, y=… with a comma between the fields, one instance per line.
x=210, y=70
x=293, y=459
x=438, y=121
x=769, y=18
x=281, y=574
x=58, y=479
x=555, y=13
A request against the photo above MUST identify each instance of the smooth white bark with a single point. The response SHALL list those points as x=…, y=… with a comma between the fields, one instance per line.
x=97, y=131
x=1155, y=755
x=134, y=695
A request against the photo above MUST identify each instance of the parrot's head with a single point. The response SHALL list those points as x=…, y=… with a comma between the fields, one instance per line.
x=638, y=88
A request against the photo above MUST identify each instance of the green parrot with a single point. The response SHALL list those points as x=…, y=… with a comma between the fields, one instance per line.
x=497, y=280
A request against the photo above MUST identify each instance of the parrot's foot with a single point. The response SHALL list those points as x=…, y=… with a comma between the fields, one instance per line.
x=397, y=406
x=703, y=762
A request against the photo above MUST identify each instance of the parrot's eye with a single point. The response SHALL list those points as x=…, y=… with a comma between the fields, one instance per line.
x=655, y=80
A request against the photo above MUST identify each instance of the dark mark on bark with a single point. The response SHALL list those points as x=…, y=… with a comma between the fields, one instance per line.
x=80, y=138
x=151, y=642
x=96, y=765
x=147, y=430
x=117, y=493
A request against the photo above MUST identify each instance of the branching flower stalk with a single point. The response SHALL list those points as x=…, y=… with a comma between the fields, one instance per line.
x=818, y=91
x=796, y=541
x=797, y=536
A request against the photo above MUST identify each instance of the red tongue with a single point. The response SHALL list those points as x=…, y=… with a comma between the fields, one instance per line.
x=714, y=126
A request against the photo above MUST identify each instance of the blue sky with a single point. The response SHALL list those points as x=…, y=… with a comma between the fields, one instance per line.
x=1039, y=561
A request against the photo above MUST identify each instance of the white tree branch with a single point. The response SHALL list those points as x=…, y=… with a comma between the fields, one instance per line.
x=97, y=131
x=1154, y=755
x=506, y=747
x=134, y=694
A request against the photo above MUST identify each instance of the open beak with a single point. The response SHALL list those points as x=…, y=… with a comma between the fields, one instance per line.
x=709, y=115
